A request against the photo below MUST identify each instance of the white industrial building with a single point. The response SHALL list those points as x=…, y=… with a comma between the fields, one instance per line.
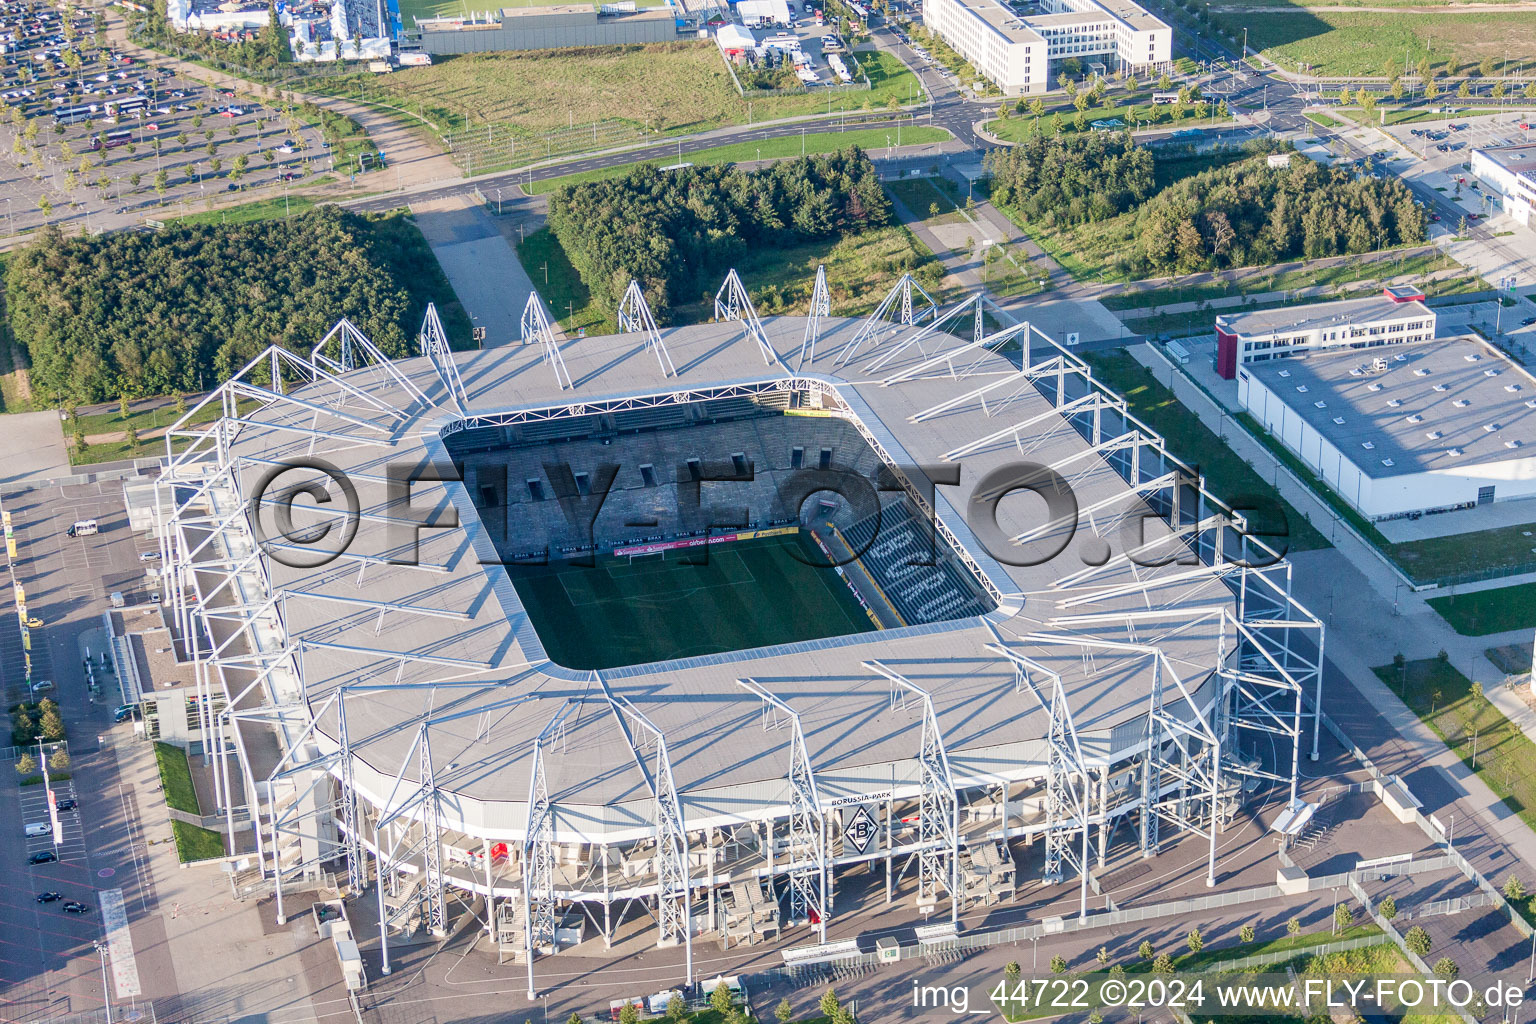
x=1017, y=51
x=1508, y=170
x=1396, y=316
x=1426, y=427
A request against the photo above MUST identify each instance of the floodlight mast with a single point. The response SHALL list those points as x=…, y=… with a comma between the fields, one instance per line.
x=821, y=306
x=733, y=303
x=434, y=345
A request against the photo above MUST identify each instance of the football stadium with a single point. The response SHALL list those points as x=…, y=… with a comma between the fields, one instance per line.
x=718, y=632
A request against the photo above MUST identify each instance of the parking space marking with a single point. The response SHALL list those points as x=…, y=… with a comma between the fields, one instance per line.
x=125, y=969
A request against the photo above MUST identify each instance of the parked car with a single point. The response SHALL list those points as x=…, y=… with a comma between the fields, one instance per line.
x=44, y=857
x=49, y=897
x=66, y=804
x=124, y=712
x=76, y=907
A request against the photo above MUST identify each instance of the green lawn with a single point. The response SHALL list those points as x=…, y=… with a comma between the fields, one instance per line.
x=1361, y=43
x=1323, y=119
x=766, y=149
x=1489, y=611
x=176, y=778
x=262, y=209
x=1444, y=700
x=1414, y=116
x=653, y=609
x=1226, y=476
x=194, y=844
x=1018, y=127
x=666, y=88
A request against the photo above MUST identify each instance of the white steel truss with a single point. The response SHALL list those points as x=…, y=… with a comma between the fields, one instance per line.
x=535, y=328
x=539, y=848
x=810, y=896
x=976, y=303
x=434, y=345
x=345, y=348
x=635, y=318
x=674, y=895
x=1066, y=810
x=900, y=301
x=821, y=306
x=938, y=825
x=733, y=303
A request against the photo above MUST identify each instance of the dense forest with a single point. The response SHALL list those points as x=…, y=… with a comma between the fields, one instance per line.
x=1235, y=213
x=1065, y=180
x=678, y=232
x=150, y=313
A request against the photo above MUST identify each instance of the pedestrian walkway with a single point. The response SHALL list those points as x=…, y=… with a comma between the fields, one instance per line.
x=481, y=265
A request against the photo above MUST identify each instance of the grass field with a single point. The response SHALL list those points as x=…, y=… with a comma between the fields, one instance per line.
x=767, y=149
x=1361, y=43
x=663, y=87
x=1020, y=126
x=728, y=597
x=1445, y=701
x=1489, y=611
x=1226, y=475
x=262, y=209
x=176, y=778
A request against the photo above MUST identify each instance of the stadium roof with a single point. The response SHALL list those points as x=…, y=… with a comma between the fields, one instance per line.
x=468, y=617
x=1437, y=405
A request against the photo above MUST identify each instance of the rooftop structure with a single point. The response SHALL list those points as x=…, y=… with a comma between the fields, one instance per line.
x=1424, y=426
x=1511, y=170
x=1078, y=674
x=1396, y=316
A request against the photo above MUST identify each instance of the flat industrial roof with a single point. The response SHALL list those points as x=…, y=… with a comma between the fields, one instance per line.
x=1515, y=159
x=1372, y=309
x=467, y=615
x=1012, y=26
x=1433, y=398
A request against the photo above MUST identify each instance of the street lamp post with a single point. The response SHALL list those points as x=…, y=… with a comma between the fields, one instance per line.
x=106, y=995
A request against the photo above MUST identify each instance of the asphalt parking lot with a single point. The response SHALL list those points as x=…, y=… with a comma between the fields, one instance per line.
x=92, y=132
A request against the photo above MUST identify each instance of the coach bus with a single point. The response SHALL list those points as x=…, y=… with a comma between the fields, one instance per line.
x=111, y=140
x=1165, y=97
x=73, y=115
x=127, y=106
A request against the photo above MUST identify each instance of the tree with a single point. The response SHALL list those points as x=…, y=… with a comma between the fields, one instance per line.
x=1397, y=88
x=629, y=1013
x=1058, y=964
x=1530, y=91
x=46, y=207
x=1417, y=941
x=1012, y=972
x=1195, y=940
x=1164, y=83
x=1487, y=66
x=1426, y=68
x=58, y=761
x=933, y=209
x=1037, y=106
x=1431, y=90
x=1388, y=908
x=574, y=1018
x=52, y=725
x=26, y=764
x=1117, y=971
x=79, y=441
x=1145, y=949
x=1102, y=956
x=1514, y=889
x=1246, y=933
x=1163, y=964
x=677, y=1009
x=1293, y=927
x=1446, y=968
x=829, y=1003
x=783, y=1011
x=1464, y=90
x=1131, y=84
x=1343, y=917
x=1499, y=90
x=1081, y=101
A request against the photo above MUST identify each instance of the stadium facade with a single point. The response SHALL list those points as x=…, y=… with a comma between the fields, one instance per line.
x=378, y=699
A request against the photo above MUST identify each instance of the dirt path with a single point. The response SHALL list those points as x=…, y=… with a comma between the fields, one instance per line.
x=411, y=159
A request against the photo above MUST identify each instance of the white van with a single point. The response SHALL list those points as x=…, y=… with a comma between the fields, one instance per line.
x=41, y=828
x=83, y=528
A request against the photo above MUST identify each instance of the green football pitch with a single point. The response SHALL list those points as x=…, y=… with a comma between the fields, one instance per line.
x=752, y=593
